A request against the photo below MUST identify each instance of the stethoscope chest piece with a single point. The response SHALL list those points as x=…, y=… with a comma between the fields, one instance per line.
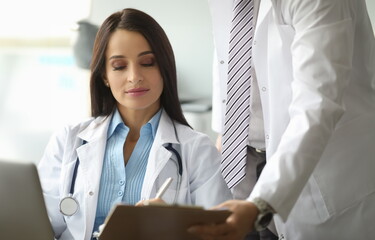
x=68, y=206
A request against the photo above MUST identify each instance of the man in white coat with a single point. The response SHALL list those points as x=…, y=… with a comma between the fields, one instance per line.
x=314, y=64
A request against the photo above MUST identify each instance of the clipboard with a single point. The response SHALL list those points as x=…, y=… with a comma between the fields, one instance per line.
x=158, y=222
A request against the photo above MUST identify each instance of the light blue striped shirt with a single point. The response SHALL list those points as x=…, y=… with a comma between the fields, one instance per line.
x=120, y=183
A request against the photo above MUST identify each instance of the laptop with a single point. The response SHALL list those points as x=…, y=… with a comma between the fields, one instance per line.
x=23, y=213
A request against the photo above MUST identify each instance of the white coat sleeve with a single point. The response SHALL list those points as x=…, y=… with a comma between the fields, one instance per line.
x=207, y=186
x=322, y=58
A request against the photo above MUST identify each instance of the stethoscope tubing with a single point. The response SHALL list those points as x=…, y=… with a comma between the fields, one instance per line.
x=178, y=156
x=69, y=205
x=74, y=177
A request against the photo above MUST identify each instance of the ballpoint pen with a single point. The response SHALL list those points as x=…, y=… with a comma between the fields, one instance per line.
x=163, y=187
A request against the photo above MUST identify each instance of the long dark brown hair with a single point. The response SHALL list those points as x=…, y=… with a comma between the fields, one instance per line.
x=102, y=100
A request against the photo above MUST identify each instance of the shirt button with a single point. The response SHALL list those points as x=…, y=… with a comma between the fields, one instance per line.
x=267, y=136
x=221, y=62
x=264, y=89
x=223, y=101
x=255, y=43
x=121, y=182
x=91, y=193
x=120, y=193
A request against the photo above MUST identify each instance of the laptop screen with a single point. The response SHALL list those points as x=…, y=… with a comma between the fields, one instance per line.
x=23, y=214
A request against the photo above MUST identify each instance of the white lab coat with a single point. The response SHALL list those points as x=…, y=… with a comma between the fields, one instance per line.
x=314, y=62
x=201, y=181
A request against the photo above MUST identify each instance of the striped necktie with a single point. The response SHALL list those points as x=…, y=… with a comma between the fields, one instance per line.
x=236, y=128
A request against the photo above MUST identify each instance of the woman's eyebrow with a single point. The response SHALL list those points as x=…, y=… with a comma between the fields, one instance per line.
x=145, y=53
x=117, y=56
x=139, y=55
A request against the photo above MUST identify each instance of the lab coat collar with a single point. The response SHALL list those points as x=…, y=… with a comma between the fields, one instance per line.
x=261, y=8
x=166, y=133
x=96, y=129
x=99, y=126
x=167, y=130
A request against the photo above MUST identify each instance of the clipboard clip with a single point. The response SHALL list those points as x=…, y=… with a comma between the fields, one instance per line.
x=96, y=234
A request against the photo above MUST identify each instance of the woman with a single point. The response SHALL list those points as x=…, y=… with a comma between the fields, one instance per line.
x=137, y=138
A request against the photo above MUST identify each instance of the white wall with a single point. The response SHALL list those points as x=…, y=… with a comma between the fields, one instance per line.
x=41, y=88
x=187, y=24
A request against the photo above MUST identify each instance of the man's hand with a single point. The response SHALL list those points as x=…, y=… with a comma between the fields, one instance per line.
x=237, y=225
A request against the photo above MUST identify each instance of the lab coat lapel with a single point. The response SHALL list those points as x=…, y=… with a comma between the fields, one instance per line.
x=261, y=9
x=91, y=154
x=159, y=155
x=91, y=157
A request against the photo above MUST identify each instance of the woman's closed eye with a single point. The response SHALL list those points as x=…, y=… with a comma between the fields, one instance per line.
x=118, y=66
x=149, y=62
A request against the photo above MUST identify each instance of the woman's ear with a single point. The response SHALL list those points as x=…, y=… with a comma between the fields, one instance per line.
x=104, y=77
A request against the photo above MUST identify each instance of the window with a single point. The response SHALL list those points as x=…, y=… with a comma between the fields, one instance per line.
x=41, y=88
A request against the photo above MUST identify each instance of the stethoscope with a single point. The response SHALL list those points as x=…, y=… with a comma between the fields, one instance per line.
x=179, y=167
x=69, y=205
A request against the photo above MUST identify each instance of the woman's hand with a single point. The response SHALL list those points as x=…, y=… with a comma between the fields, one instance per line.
x=237, y=225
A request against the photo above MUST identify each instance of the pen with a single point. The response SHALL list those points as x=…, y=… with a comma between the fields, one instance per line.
x=163, y=188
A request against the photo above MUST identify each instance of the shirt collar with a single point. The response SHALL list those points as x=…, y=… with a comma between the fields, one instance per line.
x=117, y=120
x=154, y=122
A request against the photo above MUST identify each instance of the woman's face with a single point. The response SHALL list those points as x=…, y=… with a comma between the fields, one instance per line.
x=132, y=72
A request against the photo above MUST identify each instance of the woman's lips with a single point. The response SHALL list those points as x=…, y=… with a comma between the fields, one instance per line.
x=137, y=91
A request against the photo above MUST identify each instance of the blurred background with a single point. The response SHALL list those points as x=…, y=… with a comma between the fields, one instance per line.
x=43, y=64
